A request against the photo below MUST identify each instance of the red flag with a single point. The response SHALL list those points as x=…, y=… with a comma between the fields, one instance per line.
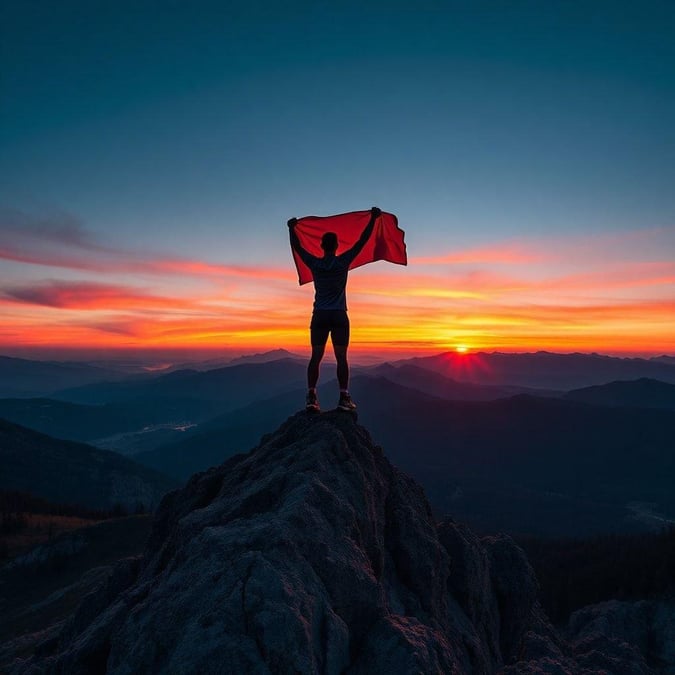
x=386, y=242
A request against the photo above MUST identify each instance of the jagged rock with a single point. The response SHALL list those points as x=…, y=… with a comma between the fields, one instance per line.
x=311, y=554
x=470, y=584
x=516, y=590
x=625, y=637
x=663, y=635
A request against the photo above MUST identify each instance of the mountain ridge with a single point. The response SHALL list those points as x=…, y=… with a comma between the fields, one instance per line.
x=26, y=377
x=515, y=464
x=547, y=370
x=313, y=554
x=538, y=370
x=224, y=384
x=642, y=393
x=71, y=472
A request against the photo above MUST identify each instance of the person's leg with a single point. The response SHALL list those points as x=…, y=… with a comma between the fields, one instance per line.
x=313, y=367
x=342, y=366
x=340, y=339
x=318, y=331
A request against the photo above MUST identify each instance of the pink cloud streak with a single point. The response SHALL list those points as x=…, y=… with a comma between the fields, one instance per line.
x=507, y=254
x=91, y=296
x=67, y=245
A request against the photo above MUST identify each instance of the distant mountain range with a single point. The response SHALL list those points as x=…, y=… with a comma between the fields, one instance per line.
x=642, y=393
x=540, y=370
x=27, y=378
x=544, y=370
x=501, y=455
x=664, y=359
x=73, y=421
x=523, y=464
x=23, y=377
x=127, y=426
x=75, y=473
x=263, y=357
x=443, y=386
x=229, y=387
x=141, y=413
x=228, y=434
x=529, y=464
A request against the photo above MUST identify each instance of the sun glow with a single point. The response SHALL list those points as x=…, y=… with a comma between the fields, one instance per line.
x=120, y=300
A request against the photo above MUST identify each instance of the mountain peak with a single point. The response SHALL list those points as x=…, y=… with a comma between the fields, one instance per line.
x=311, y=553
x=264, y=357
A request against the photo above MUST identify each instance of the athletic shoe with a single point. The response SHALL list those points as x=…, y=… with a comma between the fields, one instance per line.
x=346, y=403
x=312, y=403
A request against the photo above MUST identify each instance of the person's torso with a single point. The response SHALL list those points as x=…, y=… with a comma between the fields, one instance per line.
x=330, y=282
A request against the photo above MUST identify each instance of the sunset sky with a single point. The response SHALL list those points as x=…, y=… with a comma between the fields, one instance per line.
x=151, y=153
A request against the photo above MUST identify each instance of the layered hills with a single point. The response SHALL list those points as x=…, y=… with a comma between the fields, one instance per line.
x=544, y=370
x=522, y=464
x=75, y=422
x=313, y=554
x=487, y=448
x=641, y=393
x=227, y=386
x=25, y=377
x=75, y=473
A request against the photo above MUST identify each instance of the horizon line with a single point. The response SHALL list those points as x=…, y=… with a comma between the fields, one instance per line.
x=172, y=356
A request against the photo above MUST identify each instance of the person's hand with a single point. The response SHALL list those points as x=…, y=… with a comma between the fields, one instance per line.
x=375, y=212
x=292, y=223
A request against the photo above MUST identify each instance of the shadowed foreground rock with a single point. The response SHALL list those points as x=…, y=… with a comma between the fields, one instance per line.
x=312, y=554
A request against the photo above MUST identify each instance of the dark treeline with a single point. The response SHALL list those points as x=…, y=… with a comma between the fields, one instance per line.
x=575, y=573
x=15, y=506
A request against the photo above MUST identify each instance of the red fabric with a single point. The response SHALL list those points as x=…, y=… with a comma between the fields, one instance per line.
x=385, y=243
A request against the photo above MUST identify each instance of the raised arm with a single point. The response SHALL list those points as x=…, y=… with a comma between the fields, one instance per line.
x=351, y=253
x=305, y=256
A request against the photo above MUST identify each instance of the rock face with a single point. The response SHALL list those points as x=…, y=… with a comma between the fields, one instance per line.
x=311, y=554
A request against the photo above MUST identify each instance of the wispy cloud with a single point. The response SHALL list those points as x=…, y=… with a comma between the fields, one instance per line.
x=61, y=241
x=197, y=268
x=612, y=276
x=504, y=254
x=61, y=228
x=581, y=292
x=571, y=249
x=91, y=296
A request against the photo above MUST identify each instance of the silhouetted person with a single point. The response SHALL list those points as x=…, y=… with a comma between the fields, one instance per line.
x=330, y=307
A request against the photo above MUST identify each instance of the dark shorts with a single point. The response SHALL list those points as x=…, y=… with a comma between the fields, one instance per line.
x=333, y=321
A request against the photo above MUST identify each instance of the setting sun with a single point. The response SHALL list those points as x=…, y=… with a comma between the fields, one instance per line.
x=462, y=349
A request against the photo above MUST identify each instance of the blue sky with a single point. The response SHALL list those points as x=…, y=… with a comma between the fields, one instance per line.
x=199, y=128
x=503, y=117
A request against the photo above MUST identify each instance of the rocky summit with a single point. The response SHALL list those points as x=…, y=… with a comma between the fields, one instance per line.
x=313, y=554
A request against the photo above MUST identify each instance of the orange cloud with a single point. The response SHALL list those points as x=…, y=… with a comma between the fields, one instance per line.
x=128, y=264
x=611, y=276
x=577, y=294
x=91, y=296
x=577, y=249
x=199, y=268
x=505, y=254
x=645, y=327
